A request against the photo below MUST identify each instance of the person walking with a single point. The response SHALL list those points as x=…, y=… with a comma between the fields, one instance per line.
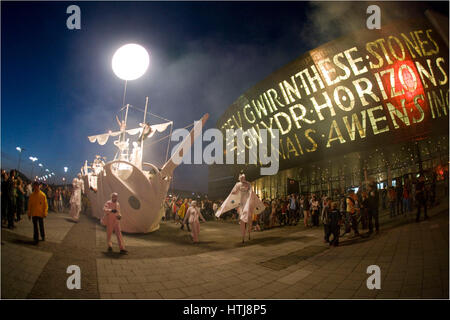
x=246, y=201
x=111, y=218
x=37, y=211
x=193, y=214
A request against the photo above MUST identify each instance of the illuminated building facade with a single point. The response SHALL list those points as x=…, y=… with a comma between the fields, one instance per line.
x=370, y=106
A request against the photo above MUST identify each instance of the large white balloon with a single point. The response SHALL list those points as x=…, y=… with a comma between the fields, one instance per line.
x=130, y=61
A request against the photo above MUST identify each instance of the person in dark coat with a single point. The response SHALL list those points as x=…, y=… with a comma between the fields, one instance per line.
x=373, y=198
x=421, y=198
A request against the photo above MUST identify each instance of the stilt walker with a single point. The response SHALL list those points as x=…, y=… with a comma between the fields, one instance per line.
x=247, y=203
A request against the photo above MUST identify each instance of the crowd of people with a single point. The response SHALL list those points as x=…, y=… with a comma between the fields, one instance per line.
x=16, y=191
x=176, y=208
x=348, y=211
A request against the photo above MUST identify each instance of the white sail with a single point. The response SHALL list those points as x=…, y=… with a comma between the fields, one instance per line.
x=102, y=139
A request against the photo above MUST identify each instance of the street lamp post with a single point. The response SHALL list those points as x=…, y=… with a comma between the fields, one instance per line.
x=32, y=166
x=65, y=171
x=20, y=156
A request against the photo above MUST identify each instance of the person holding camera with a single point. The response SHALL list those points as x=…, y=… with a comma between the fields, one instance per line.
x=111, y=219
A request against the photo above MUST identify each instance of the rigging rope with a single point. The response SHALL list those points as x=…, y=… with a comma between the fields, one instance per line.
x=148, y=112
x=153, y=142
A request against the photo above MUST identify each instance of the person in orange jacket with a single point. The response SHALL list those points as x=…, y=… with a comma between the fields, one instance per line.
x=37, y=211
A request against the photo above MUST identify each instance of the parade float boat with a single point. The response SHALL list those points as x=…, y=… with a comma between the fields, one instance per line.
x=142, y=187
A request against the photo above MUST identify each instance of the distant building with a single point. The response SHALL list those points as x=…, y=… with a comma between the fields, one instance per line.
x=370, y=106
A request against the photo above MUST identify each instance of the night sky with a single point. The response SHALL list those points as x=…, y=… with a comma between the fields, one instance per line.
x=57, y=85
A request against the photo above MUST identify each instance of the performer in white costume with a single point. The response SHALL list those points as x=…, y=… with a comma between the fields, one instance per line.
x=193, y=215
x=75, y=199
x=247, y=203
x=111, y=218
x=97, y=165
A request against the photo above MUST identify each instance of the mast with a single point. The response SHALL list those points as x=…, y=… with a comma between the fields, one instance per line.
x=126, y=116
x=142, y=139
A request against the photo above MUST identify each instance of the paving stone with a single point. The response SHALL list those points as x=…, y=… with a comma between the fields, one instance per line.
x=295, y=276
x=148, y=295
x=152, y=286
x=341, y=294
x=172, y=294
x=131, y=288
x=411, y=266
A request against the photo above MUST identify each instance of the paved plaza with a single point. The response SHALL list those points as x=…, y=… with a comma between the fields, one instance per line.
x=290, y=262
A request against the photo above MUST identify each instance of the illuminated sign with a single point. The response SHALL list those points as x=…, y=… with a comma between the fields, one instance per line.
x=371, y=88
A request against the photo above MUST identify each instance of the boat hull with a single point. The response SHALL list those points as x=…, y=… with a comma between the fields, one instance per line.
x=141, y=194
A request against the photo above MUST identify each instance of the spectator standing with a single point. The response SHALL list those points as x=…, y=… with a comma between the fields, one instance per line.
x=315, y=211
x=28, y=192
x=406, y=199
x=5, y=196
x=325, y=219
x=383, y=198
x=344, y=213
x=421, y=198
x=292, y=209
x=284, y=213
x=20, y=199
x=273, y=214
x=37, y=211
x=306, y=206
x=373, y=208
x=333, y=222
x=181, y=214
x=352, y=210
x=392, y=198
x=11, y=200
x=399, y=198
x=364, y=209
x=50, y=198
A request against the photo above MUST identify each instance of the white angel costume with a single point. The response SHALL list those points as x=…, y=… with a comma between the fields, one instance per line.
x=75, y=199
x=244, y=199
